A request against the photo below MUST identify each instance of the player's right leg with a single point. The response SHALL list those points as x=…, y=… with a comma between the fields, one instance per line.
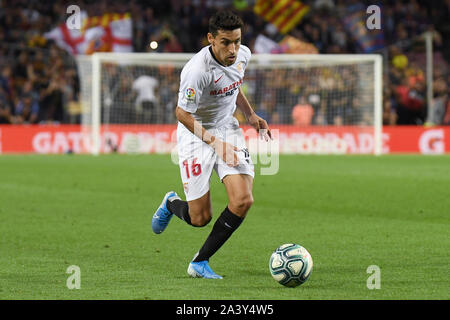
x=196, y=162
x=196, y=212
x=163, y=215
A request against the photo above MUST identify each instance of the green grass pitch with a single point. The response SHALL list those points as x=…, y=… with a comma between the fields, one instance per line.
x=350, y=212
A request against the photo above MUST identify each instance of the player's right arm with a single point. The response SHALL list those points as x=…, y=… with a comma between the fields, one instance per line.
x=223, y=149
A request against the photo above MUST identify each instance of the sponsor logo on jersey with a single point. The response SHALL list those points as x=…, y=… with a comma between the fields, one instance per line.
x=190, y=94
x=228, y=90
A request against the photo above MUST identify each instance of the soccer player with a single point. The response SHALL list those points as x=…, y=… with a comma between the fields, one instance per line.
x=209, y=137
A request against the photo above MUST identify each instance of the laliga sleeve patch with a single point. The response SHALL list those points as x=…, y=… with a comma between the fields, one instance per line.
x=190, y=94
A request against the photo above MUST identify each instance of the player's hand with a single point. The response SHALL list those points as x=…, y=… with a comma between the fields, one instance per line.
x=226, y=151
x=261, y=126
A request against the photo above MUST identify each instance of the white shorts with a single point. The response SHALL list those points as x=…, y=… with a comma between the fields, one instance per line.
x=197, y=160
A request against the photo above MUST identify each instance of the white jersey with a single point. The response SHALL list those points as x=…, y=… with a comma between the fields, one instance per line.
x=209, y=90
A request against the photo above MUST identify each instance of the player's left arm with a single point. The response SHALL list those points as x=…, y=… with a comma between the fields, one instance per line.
x=252, y=118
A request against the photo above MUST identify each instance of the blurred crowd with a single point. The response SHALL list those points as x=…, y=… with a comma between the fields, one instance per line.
x=39, y=82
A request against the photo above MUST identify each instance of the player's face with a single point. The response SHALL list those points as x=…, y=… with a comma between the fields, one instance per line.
x=225, y=45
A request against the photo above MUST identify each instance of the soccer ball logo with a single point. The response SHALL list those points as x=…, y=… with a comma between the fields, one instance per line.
x=290, y=265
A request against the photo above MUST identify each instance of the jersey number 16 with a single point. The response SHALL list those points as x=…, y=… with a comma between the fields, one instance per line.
x=196, y=168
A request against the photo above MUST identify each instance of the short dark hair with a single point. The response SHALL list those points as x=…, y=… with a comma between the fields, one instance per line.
x=224, y=20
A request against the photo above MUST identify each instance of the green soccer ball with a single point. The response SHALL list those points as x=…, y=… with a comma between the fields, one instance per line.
x=290, y=265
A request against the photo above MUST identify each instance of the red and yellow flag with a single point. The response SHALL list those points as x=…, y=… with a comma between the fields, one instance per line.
x=104, y=20
x=111, y=32
x=283, y=14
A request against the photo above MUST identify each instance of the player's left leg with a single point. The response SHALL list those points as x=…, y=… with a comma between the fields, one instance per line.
x=239, y=190
x=238, y=182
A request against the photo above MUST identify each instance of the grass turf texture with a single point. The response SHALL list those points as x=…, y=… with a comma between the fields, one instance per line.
x=350, y=212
